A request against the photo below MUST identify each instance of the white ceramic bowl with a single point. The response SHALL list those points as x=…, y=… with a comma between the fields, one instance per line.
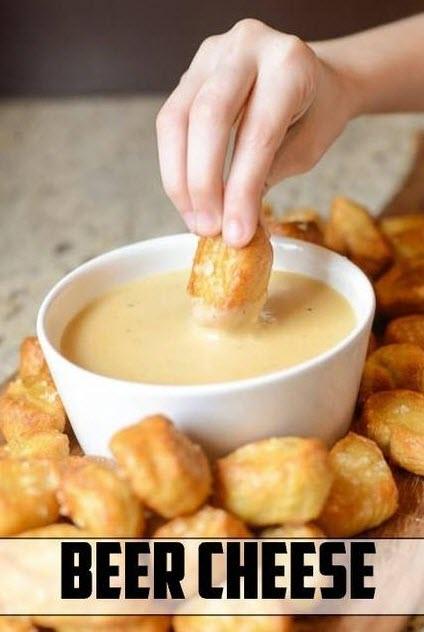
x=315, y=398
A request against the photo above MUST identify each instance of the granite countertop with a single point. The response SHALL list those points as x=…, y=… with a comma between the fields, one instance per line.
x=80, y=176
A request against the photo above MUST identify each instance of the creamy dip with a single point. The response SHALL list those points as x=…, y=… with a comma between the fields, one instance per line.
x=143, y=331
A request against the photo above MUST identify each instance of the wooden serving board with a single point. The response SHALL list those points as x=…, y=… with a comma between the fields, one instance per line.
x=409, y=519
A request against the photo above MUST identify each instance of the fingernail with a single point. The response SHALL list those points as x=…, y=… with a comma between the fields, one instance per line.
x=207, y=224
x=190, y=220
x=233, y=232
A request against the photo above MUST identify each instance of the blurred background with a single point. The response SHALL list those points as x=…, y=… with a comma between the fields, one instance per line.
x=69, y=47
x=80, y=84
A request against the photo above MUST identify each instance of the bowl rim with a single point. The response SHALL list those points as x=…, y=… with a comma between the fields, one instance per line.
x=212, y=387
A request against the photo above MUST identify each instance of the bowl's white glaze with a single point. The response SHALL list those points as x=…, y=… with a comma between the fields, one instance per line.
x=315, y=398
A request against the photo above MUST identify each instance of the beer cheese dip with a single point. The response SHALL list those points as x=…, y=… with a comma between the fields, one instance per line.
x=143, y=331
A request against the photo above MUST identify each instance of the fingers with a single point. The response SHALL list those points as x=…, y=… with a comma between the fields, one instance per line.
x=264, y=124
x=172, y=128
x=252, y=72
x=212, y=116
x=307, y=140
x=298, y=154
x=304, y=145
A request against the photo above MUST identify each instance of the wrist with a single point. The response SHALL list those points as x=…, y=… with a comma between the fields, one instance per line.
x=335, y=54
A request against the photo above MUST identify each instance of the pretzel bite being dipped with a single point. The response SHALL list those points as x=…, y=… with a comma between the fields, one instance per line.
x=351, y=231
x=400, y=291
x=364, y=493
x=167, y=471
x=393, y=366
x=406, y=329
x=395, y=421
x=405, y=233
x=97, y=499
x=27, y=494
x=228, y=286
x=275, y=481
x=208, y=522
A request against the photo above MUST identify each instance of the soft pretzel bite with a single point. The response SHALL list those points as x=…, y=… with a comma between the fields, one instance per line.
x=393, y=366
x=304, y=230
x=60, y=530
x=296, y=214
x=400, y=291
x=406, y=234
x=273, y=481
x=304, y=214
x=364, y=493
x=47, y=444
x=16, y=624
x=208, y=522
x=351, y=231
x=301, y=223
x=28, y=405
x=232, y=623
x=372, y=344
x=167, y=471
x=228, y=286
x=293, y=531
x=32, y=361
x=395, y=421
x=98, y=499
x=27, y=494
x=105, y=623
x=31, y=402
x=406, y=329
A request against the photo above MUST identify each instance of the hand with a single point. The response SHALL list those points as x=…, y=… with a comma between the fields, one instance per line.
x=286, y=104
